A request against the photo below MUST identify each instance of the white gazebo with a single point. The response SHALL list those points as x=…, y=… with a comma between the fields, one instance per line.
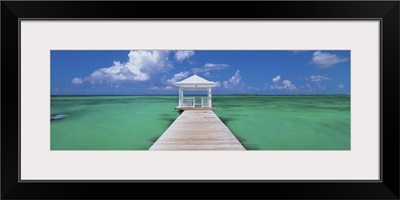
x=195, y=83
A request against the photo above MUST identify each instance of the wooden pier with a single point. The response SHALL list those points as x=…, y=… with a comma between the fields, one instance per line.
x=197, y=130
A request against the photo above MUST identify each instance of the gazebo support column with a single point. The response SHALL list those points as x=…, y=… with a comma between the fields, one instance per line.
x=180, y=98
x=209, y=98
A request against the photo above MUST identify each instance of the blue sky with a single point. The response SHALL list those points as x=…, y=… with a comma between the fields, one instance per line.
x=236, y=71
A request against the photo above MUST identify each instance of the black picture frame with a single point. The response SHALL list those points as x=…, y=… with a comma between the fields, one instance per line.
x=386, y=11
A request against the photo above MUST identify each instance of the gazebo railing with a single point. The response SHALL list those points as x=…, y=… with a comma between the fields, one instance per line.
x=205, y=102
x=188, y=102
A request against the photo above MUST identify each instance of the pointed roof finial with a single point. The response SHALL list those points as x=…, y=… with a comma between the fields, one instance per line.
x=195, y=71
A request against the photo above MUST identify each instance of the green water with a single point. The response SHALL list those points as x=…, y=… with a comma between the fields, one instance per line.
x=259, y=122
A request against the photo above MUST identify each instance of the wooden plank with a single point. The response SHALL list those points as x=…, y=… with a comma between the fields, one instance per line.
x=197, y=130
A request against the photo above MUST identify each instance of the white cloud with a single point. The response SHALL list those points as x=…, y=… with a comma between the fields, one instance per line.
x=326, y=60
x=277, y=78
x=288, y=85
x=341, y=85
x=167, y=84
x=178, y=77
x=77, y=81
x=182, y=55
x=252, y=88
x=285, y=85
x=233, y=81
x=140, y=66
x=161, y=88
x=319, y=78
x=211, y=66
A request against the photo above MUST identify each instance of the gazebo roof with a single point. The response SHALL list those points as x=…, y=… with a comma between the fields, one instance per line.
x=195, y=82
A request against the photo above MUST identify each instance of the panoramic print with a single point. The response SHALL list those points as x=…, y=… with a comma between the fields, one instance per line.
x=184, y=100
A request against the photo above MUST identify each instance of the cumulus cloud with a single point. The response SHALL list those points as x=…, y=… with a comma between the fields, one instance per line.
x=288, y=85
x=277, y=78
x=319, y=78
x=235, y=80
x=341, y=85
x=139, y=67
x=77, y=81
x=284, y=85
x=182, y=55
x=236, y=83
x=325, y=60
x=167, y=84
x=178, y=77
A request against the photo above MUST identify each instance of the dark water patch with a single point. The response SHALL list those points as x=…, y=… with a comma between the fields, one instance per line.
x=144, y=145
x=227, y=120
x=166, y=114
x=168, y=119
x=248, y=145
x=154, y=139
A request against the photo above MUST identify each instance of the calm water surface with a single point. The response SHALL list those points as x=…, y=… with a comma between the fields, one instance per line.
x=259, y=122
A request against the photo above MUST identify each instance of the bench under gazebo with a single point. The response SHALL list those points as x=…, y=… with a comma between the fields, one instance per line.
x=195, y=82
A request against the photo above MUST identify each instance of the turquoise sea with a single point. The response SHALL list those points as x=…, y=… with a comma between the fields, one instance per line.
x=259, y=122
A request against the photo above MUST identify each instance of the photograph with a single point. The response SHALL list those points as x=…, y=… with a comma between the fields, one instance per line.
x=200, y=100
